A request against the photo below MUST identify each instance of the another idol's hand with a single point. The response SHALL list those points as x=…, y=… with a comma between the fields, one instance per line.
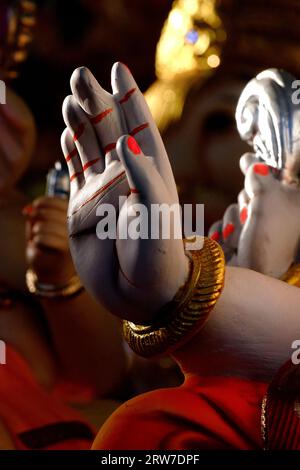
x=263, y=229
x=47, y=249
x=132, y=276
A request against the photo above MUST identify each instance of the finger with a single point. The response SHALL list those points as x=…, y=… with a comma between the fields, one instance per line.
x=246, y=161
x=231, y=226
x=49, y=241
x=52, y=215
x=215, y=231
x=73, y=161
x=102, y=109
x=28, y=230
x=140, y=123
x=84, y=137
x=243, y=201
x=258, y=180
x=51, y=202
x=46, y=227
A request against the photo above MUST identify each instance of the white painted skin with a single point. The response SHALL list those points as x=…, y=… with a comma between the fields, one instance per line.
x=255, y=320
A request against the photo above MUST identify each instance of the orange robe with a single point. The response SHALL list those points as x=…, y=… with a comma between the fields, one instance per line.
x=35, y=418
x=202, y=414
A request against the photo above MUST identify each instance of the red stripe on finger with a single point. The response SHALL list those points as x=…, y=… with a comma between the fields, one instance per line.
x=127, y=96
x=79, y=132
x=134, y=191
x=138, y=129
x=101, y=116
x=90, y=163
x=109, y=147
x=75, y=175
x=71, y=155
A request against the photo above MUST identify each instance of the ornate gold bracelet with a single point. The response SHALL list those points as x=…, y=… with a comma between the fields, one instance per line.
x=50, y=291
x=189, y=310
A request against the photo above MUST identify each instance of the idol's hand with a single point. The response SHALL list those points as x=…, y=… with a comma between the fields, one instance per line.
x=132, y=276
x=47, y=242
x=263, y=229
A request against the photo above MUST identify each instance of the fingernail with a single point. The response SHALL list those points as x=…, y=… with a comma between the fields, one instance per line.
x=133, y=146
x=243, y=215
x=27, y=210
x=215, y=236
x=228, y=230
x=261, y=169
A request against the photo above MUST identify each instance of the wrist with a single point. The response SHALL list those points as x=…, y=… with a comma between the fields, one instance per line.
x=59, y=290
x=189, y=310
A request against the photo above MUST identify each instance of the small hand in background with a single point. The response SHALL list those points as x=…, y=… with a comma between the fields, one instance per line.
x=47, y=248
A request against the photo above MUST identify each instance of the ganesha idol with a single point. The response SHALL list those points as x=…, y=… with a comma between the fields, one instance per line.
x=207, y=52
x=229, y=328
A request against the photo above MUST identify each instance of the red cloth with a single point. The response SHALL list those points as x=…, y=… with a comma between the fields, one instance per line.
x=203, y=414
x=33, y=417
x=282, y=415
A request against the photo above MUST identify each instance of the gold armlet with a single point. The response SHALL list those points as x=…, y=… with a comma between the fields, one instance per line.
x=51, y=291
x=188, y=312
x=292, y=276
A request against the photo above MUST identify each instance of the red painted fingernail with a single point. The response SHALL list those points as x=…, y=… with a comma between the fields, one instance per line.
x=261, y=169
x=243, y=215
x=133, y=146
x=228, y=230
x=215, y=236
x=27, y=210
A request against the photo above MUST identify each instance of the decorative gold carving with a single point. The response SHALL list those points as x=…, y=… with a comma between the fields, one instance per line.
x=264, y=421
x=292, y=276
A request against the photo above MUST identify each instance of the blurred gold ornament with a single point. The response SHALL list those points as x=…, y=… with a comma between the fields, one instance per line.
x=18, y=19
x=190, y=44
x=239, y=37
x=191, y=39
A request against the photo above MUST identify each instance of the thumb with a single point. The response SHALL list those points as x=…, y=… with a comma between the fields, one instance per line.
x=138, y=167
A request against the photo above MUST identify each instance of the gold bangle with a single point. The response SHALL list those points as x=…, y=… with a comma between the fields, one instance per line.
x=189, y=310
x=292, y=276
x=52, y=291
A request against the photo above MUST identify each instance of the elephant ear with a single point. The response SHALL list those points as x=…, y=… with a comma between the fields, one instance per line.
x=267, y=118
